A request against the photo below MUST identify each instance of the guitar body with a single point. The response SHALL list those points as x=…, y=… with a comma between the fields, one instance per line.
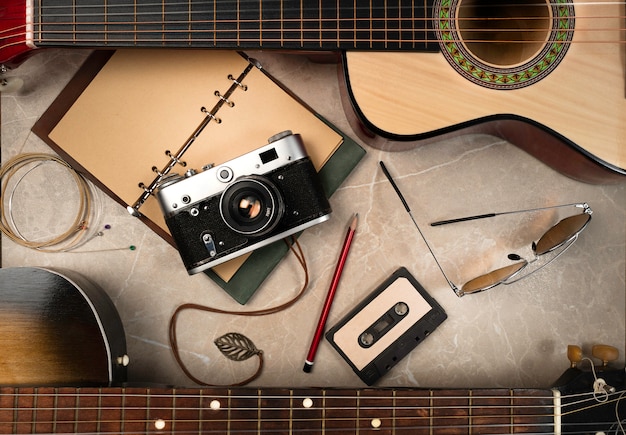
x=566, y=115
x=57, y=328
x=547, y=76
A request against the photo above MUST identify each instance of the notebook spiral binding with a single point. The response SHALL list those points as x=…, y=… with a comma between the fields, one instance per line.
x=175, y=159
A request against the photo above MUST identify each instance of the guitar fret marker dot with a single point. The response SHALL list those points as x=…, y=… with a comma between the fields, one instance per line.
x=307, y=403
x=159, y=424
x=376, y=423
x=215, y=405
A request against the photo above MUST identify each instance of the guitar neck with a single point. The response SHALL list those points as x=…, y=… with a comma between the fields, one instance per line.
x=137, y=410
x=234, y=24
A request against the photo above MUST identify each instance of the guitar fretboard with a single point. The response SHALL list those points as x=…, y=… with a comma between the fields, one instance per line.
x=275, y=411
x=322, y=25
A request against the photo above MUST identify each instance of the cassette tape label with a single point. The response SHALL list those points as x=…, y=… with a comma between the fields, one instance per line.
x=400, y=291
x=382, y=325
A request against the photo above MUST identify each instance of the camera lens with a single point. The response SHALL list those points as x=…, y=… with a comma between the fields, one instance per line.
x=251, y=205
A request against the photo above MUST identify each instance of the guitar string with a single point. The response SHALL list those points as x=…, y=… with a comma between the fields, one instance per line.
x=302, y=20
x=174, y=420
x=242, y=6
x=326, y=429
x=190, y=3
x=324, y=43
x=357, y=419
x=617, y=413
x=375, y=13
x=76, y=235
x=73, y=234
x=307, y=20
x=291, y=19
x=397, y=420
x=338, y=21
x=321, y=394
x=394, y=418
x=587, y=400
x=337, y=42
x=397, y=426
x=86, y=223
x=305, y=29
x=407, y=429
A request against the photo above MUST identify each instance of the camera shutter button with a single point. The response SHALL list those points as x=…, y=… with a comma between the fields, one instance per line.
x=279, y=136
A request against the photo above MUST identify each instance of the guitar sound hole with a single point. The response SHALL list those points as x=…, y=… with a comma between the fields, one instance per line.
x=504, y=34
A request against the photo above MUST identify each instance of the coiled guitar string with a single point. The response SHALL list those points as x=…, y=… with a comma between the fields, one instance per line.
x=85, y=224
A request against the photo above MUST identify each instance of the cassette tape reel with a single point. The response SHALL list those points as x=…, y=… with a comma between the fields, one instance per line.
x=387, y=325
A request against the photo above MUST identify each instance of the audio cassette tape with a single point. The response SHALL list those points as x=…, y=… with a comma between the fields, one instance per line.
x=387, y=325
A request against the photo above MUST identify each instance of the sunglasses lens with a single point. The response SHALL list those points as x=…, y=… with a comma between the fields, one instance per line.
x=561, y=233
x=494, y=278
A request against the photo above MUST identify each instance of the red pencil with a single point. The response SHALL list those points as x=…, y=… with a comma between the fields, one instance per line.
x=308, y=363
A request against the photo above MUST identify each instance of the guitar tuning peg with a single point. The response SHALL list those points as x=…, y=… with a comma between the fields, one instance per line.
x=605, y=353
x=574, y=354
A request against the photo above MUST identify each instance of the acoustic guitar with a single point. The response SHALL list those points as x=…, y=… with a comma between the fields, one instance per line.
x=61, y=343
x=549, y=76
x=57, y=327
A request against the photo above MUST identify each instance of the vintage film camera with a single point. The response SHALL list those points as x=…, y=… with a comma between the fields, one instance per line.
x=248, y=202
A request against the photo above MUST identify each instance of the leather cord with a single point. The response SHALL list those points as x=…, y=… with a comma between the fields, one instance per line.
x=296, y=249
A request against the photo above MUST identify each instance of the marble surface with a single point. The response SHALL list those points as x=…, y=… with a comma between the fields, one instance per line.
x=510, y=336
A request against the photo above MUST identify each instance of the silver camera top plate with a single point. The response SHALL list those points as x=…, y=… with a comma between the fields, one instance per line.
x=195, y=187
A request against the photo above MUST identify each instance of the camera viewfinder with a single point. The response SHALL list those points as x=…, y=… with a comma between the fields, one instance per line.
x=269, y=155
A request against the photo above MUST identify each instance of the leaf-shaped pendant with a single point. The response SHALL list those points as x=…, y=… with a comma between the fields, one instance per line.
x=236, y=347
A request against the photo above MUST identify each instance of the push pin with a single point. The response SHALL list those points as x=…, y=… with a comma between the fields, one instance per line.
x=605, y=353
x=10, y=84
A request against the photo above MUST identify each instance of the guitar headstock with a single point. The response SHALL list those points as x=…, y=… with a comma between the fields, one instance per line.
x=592, y=392
x=14, y=30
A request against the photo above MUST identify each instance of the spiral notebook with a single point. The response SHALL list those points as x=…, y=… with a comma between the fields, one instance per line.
x=127, y=115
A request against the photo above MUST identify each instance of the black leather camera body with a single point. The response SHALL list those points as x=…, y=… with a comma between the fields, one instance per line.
x=251, y=201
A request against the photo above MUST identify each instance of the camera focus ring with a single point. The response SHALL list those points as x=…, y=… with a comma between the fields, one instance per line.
x=251, y=205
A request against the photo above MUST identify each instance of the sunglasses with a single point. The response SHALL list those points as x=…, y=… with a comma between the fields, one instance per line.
x=549, y=247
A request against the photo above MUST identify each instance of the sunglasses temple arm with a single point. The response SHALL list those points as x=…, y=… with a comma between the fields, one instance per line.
x=454, y=288
x=395, y=187
x=489, y=215
x=463, y=219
